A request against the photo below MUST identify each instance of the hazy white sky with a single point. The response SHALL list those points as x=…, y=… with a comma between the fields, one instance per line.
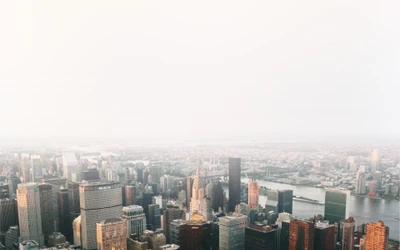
x=150, y=68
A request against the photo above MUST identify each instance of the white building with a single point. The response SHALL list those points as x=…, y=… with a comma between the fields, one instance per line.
x=135, y=219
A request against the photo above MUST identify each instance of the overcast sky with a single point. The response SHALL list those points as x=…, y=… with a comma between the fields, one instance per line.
x=163, y=68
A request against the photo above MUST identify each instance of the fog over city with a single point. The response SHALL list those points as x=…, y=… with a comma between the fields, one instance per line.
x=177, y=69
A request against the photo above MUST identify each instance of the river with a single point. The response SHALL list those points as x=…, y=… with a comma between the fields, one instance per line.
x=362, y=209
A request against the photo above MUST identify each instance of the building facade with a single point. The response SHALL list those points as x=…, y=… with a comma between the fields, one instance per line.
x=254, y=193
x=377, y=236
x=232, y=232
x=234, y=183
x=335, y=205
x=47, y=210
x=111, y=234
x=301, y=235
x=135, y=220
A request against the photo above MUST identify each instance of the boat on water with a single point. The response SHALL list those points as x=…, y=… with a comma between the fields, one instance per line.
x=308, y=200
x=396, y=218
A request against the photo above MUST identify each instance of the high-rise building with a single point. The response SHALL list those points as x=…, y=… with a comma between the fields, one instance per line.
x=254, y=194
x=26, y=169
x=324, y=236
x=177, y=230
x=378, y=179
x=99, y=201
x=135, y=220
x=279, y=201
x=30, y=219
x=36, y=168
x=172, y=212
x=77, y=230
x=360, y=182
x=260, y=238
x=377, y=236
x=374, y=161
x=347, y=231
x=46, y=210
x=234, y=183
x=155, y=240
x=111, y=234
x=64, y=219
x=11, y=237
x=189, y=187
x=56, y=185
x=8, y=215
x=232, y=232
x=74, y=200
x=217, y=197
x=301, y=235
x=154, y=216
x=71, y=167
x=336, y=205
x=198, y=204
x=129, y=195
x=196, y=235
x=156, y=171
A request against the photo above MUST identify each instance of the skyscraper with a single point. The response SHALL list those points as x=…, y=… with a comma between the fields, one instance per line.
x=378, y=179
x=177, y=230
x=347, y=230
x=335, y=205
x=198, y=203
x=374, y=161
x=30, y=220
x=260, y=238
x=71, y=167
x=172, y=212
x=377, y=236
x=360, y=182
x=324, y=236
x=254, y=190
x=36, y=168
x=111, y=234
x=301, y=235
x=129, y=195
x=46, y=210
x=135, y=220
x=232, y=232
x=8, y=213
x=99, y=201
x=189, y=186
x=234, y=183
x=154, y=216
x=279, y=201
x=64, y=219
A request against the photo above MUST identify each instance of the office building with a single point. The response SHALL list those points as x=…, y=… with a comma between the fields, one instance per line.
x=111, y=234
x=156, y=171
x=64, y=219
x=74, y=200
x=172, y=212
x=378, y=179
x=26, y=169
x=177, y=230
x=155, y=240
x=71, y=169
x=375, y=161
x=198, y=203
x=217, y=197
x=232, y=232
x=197, y=234
x=336, y=205
x=135, y=220
x=29, y=245
x=154, y=216
x=189, y=187
x=11, y=237
x=377, y=236
x=347, y=228
x=30, y=219
x=166, y=182
x=301, y=235
x=253, y=195
x=46, y=210
x=77, y=231
x=8, y=215
x=139, y=243
x=36, y=168
x=91, y=174
x=283, y=231
x=234, y=183
x=360, y=182
x=279, y=201
x=128, y=195
x=99, y=201
x=324, y=236
x=260, y=239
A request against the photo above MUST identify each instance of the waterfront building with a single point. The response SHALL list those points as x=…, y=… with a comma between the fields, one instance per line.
x=111, y=234
x=336, y=205
x=378, y=179
x=234, y=183
x=99, y=201
x=254, y=193
x=279, y=201
x=29, y=212
x=375, y=161
x=232, y=232
x=360, y=182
